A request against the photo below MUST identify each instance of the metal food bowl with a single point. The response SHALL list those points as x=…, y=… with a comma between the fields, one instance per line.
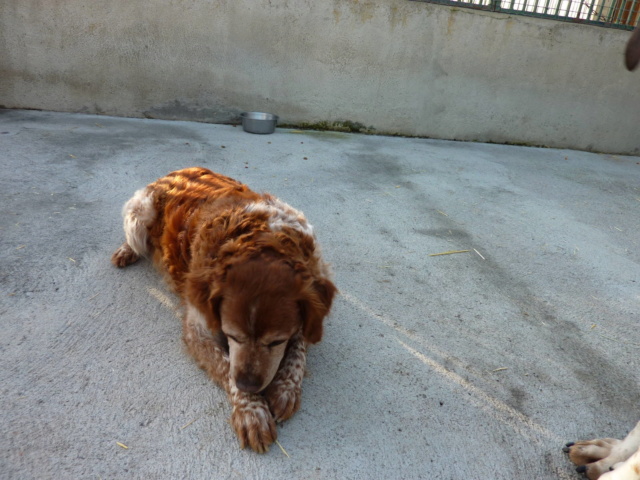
x=258, y=122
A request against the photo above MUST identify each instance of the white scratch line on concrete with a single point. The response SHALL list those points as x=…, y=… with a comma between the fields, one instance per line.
x=163, y=299
x=391, y=324
x=503, y=412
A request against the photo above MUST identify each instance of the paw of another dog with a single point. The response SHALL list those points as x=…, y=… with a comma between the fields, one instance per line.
x=592, y=456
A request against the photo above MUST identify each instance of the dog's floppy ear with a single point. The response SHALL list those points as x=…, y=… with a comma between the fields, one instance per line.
x=317, y=296
x=632, y=53
x=203, y=289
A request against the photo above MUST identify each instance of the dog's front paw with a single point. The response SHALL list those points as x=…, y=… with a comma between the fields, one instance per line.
x=283, y=397
x=254, y=424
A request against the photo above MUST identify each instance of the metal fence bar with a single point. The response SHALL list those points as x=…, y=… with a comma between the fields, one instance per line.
x=535, y=6
x=571, y=12
x=632, y=12
x=607, y=13
x=579, y=11
x=599, y=16
x=546, y=7
x=613, y=11
x=590, y=9
x=635, y=13
x=620, y=5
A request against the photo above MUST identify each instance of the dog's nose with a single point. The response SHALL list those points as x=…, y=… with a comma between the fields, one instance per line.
x=248, y=383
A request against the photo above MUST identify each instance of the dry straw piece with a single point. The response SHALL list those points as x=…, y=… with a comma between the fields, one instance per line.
x=282, y=448
x=450, y=252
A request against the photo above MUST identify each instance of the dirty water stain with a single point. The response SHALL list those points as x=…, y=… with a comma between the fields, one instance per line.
x=321, y=134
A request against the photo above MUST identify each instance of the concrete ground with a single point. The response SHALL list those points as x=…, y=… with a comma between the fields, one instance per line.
x=475, y=365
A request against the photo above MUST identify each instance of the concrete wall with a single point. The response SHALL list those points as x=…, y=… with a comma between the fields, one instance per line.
x=401, y=67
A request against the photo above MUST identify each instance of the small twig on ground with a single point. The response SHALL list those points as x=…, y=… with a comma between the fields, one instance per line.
x=451, y=252
x=282, y=448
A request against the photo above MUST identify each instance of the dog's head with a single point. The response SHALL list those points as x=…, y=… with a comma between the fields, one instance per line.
x=259, y=304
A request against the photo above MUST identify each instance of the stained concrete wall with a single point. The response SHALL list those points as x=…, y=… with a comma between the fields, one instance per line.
x=398, y=66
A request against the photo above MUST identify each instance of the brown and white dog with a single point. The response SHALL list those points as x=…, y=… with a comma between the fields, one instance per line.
x=610, y=458
x=254, y=287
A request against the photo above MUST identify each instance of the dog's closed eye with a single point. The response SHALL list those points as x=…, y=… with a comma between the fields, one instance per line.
x=234, y=339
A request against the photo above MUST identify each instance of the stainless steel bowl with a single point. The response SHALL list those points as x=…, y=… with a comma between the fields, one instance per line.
x=258, y=122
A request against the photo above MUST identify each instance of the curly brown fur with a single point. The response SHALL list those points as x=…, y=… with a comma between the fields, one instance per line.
x=254, y=287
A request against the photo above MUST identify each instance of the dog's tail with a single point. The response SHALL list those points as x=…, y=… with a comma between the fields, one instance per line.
x=632, y=53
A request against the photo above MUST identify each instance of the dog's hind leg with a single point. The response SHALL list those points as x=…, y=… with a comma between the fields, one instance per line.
x=124, y=256
x=138, y=215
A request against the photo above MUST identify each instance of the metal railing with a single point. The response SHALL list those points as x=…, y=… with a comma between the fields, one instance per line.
x=623, y=14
